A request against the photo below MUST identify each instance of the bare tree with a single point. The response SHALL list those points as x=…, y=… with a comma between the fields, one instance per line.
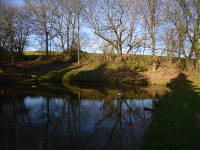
x=78, y=10
x=176, y=17
x=191, y=13
x=151, y=23
x=114, y=23
x=42, y=19
x=14, y=30
x=67, y=26
x=22, y=29
x=150, y=15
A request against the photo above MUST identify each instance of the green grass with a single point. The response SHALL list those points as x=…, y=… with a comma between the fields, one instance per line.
x=105, y=73
x=27, y=53
x=68, y=75
x=54, y=76
x=1, y=71
x=85, y=73
x=57, y=76
x=176, y=123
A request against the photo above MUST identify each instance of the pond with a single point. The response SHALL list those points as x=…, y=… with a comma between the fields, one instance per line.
x=76, y=119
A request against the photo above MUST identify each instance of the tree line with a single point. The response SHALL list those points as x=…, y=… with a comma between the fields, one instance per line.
x=154, y=27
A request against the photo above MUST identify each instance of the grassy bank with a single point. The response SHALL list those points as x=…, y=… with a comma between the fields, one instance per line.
x=176, y=124
x=128, y=70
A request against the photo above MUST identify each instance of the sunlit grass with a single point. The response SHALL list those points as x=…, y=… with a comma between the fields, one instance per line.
x=27, y=53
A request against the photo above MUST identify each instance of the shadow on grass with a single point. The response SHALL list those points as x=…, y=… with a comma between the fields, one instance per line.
x=55, y=77
x=102, y=75
x=176, y=124
x=99, y=78
x=95, y=75
x=36, y=66
x=91, y=79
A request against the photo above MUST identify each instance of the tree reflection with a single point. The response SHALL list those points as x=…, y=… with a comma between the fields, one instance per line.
x=72, y=123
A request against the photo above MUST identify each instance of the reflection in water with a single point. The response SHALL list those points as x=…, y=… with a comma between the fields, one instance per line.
x=46, y=123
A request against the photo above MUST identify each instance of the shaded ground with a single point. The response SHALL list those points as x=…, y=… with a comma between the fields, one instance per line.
x=176, y=123
x=55, y=70
x=103, y=74
x=31, y=70
x=41, y=65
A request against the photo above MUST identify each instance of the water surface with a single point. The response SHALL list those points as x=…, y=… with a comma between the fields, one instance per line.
x=83, y=119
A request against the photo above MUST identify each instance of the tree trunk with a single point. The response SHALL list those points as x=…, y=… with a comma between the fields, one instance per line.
x=119, y=49
x=46, y=43
x=187, y=63
x=195, y=44
x=152, y=25
x=68, y=30
x=78, y=40
x=73, y=33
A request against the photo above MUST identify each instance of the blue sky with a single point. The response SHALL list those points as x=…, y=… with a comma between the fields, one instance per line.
x=17, y=1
